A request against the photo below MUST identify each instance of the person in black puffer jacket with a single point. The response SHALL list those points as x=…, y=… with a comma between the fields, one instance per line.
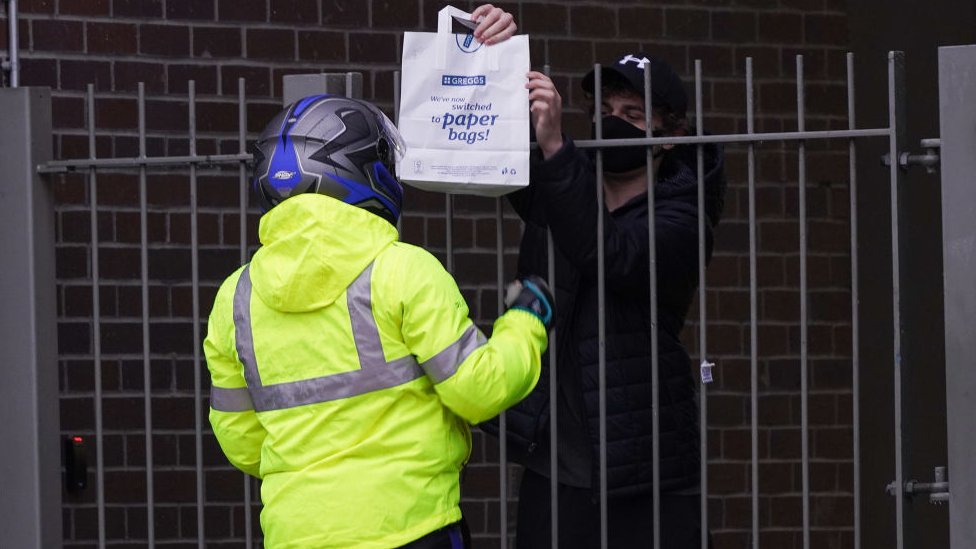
x=562, y=197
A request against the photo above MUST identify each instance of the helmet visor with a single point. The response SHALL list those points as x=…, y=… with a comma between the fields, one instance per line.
x=398, y=146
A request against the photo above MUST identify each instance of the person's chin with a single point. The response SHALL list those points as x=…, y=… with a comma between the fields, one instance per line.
x=623, y=176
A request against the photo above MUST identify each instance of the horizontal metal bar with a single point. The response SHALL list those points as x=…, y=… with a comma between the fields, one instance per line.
x=735, y=138
x=63, y=166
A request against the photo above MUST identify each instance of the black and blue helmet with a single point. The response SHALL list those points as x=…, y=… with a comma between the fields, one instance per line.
x=332, y=145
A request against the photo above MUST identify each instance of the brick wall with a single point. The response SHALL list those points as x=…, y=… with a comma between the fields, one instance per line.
x=114, y=44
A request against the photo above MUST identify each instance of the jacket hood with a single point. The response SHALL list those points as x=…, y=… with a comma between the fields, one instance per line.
x=313, y=247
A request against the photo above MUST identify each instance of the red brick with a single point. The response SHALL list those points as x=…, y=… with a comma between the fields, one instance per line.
x=165, y=40
x=35, y=6
x=129, y=74
x=38, y=72
x=76, y=75
x=347, y=13
x=242, y=10
x=372, y=48
x=255, y=80
x=210, y=42
x=270, y=44
x=56, y=35
x=396, y=14
x=733, y=26
x=571, y=55
x=825, y=29
x=543, y=19
x=686, y=24
x=137, y=8
x=92, y=7
x=111, y=38
x=321, y=46
x=205, y=77
x=589, y=21
x=190, y=11
x=304, y=12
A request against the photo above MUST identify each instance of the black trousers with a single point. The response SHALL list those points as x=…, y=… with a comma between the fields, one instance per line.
x=455, y=536
x=630, y=520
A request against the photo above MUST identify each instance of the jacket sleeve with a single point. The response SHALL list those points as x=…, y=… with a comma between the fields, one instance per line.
x=476, y=378
x=234, y=421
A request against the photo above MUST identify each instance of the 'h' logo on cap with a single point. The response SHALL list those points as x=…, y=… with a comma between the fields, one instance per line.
x=640, y=62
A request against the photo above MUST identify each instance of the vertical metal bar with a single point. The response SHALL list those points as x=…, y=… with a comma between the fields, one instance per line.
x=896, y=119
x=702, y=318
x=242, y=182
x=652, y=287
x=957, y=106
x=30, y=506
x=601, y=309
x=144, y=270
x=804, y=366
x=500, y=302
x=96, y=318
x=396, y=98
x=350, y=92
x=553, y=404
x=855, y=343
x=553, y=387
x=14, y=39
x=753, y=308
x=396, y=122
x=195, y=289
x=449, y=239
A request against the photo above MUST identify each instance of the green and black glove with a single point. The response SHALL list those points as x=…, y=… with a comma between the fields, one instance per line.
x=531, y=293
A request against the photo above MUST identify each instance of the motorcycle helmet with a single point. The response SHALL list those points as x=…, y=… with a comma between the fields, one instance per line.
x=340, y=147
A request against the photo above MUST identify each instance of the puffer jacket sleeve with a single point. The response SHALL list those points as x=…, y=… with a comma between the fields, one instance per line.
x=475, y=377
x=234, y=421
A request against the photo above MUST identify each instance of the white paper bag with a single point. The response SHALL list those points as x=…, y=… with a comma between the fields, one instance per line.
x=464, y=111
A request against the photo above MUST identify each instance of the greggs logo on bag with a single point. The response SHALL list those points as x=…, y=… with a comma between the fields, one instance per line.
x=456, y=80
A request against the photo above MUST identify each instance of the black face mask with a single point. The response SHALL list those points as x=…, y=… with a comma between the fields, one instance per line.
x=624, y=159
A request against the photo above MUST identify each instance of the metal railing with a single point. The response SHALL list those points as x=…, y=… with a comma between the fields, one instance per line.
x=92, y=166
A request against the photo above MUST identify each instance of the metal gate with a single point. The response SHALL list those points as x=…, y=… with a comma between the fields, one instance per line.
x=157, y=383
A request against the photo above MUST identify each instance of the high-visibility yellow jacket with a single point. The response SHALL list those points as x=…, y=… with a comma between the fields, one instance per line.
x=345, y=372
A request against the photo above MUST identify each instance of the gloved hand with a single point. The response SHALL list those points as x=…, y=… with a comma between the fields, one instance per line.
x=531, y=293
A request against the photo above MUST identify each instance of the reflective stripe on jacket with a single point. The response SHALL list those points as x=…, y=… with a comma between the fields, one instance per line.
x=345, y=372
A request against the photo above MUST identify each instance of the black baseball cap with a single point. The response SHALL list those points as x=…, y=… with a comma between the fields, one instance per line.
x=667, y=90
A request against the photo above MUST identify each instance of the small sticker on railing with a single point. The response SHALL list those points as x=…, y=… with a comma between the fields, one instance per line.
x=706, y=371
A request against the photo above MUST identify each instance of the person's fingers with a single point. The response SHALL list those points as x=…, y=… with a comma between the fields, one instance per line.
x=496, y=29
x=542, y=95
x=539, y=82
x=494, y=24
x=481, y=11
x=486, y=19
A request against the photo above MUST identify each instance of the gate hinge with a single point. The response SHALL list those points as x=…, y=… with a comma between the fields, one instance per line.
x=930, y=159
x=938, y=490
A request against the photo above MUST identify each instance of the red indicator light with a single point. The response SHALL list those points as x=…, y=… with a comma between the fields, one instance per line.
x=77, y=439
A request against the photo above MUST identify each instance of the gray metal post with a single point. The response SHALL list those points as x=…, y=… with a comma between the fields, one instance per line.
x=896, y=143
x=957, y=107
x=30, y=506
x=297, y=86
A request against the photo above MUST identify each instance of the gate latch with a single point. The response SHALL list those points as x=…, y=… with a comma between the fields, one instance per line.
x=930, y=159
x=938, y=491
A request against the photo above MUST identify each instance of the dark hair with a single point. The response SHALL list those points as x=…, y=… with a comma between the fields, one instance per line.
x=614, y=85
